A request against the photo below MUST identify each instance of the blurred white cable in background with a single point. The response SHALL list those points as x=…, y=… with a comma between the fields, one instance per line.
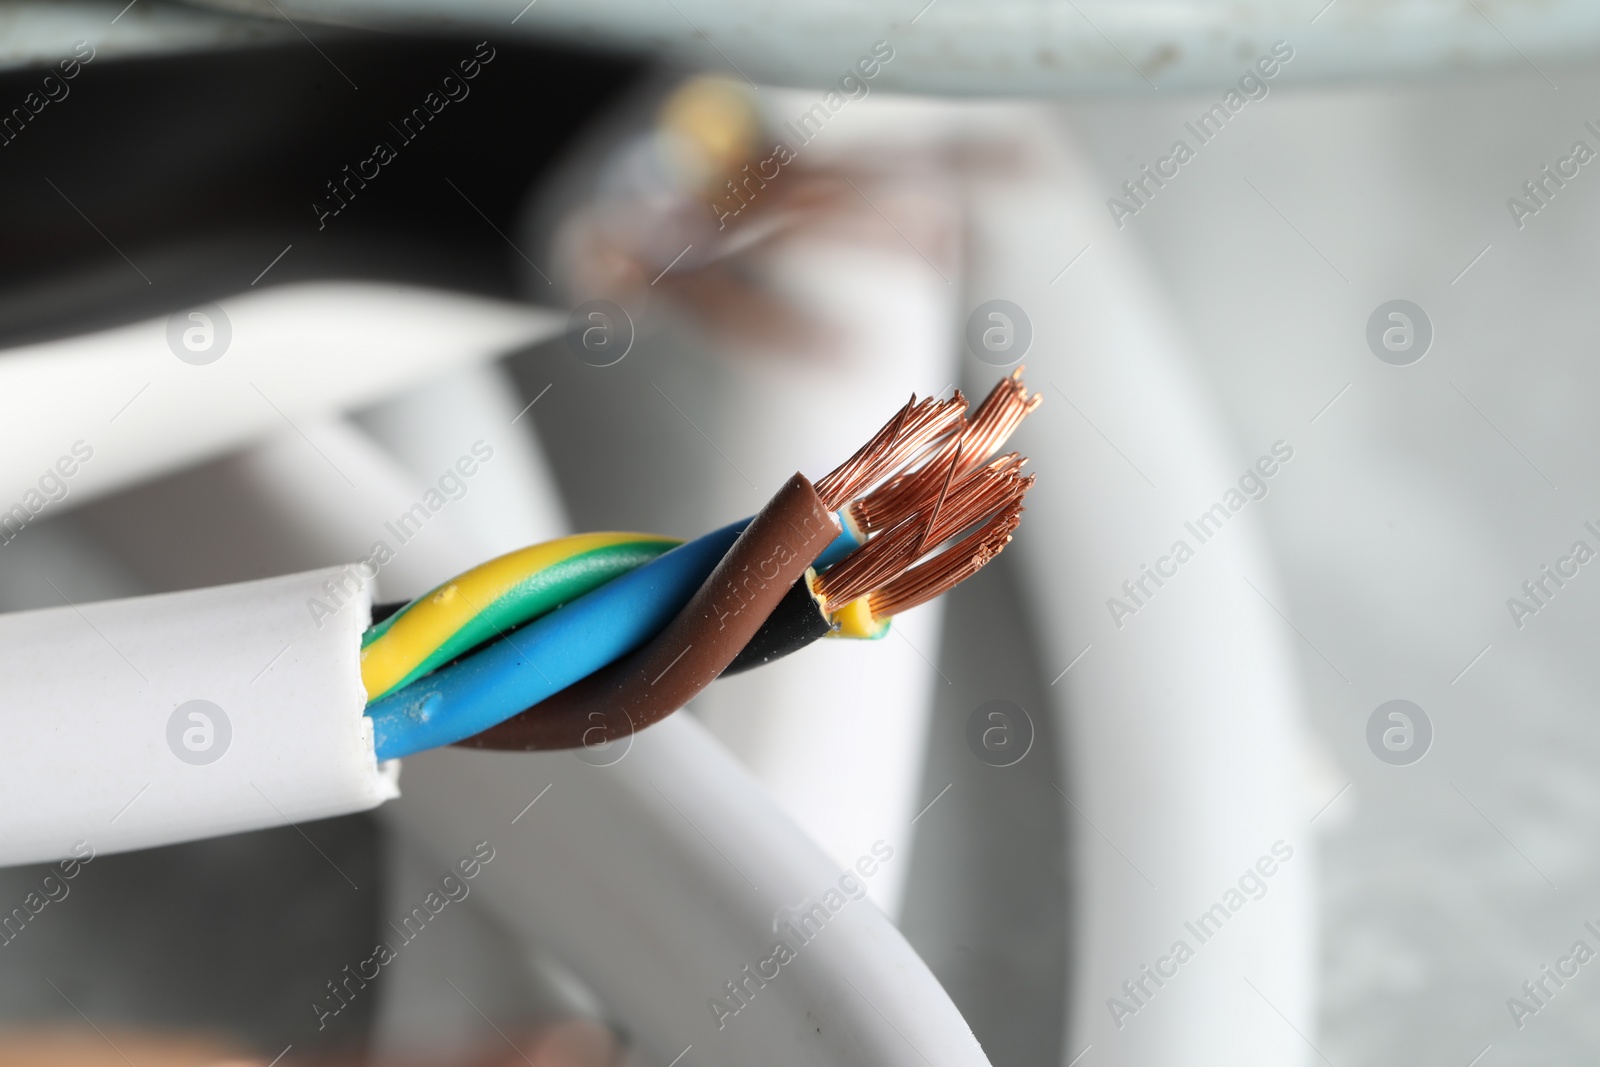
x=144, y=403
x=37, y=29
x=337, y=494
x=511, y=501
x=1020, y=47
x=666, y=880
x=1184, y=751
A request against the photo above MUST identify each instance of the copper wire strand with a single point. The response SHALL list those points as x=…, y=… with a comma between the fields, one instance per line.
x=944, y=491
x=949, y=568
x=988, y=428
x=892, y=501
x=916, y=428
x=931, y=424
x=998, y=417
x=892, y=553
x=987, y=493
x=884, y=556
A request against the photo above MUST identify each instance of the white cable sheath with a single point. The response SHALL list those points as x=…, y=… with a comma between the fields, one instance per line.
x=103, y=747
x=1182, y=737
x=661, y=877
x=135, y=409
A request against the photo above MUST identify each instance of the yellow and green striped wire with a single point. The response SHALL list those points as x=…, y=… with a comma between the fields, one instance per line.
x=494, y=597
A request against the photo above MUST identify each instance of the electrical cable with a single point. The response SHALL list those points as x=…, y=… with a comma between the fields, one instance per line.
x=485, y=670
x=630, y=695
x=551, y=653
x=564, y=641
x=520, y=586
x=514, y=589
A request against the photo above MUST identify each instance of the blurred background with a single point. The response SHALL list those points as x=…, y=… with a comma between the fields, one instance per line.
x=1369, y=269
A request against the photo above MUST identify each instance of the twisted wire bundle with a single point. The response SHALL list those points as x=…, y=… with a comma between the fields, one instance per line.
x=588, y=638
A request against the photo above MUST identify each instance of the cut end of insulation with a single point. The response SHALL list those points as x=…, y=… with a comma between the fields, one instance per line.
x=389, y=779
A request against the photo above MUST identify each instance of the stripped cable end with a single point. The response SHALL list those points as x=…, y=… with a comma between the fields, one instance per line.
x=887, y=568
x=988, y=428
x=917, y=428
x=951, y=567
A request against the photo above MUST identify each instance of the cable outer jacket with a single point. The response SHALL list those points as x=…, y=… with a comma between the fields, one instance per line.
x=158, y=719
x=791, y=531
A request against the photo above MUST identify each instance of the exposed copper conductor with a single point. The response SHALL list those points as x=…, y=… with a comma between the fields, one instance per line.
x=988, y=427
x=949, y=568
x=915, y=428
x=988, y=490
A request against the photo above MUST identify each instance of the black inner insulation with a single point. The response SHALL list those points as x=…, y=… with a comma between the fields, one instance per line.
x=795, y=623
